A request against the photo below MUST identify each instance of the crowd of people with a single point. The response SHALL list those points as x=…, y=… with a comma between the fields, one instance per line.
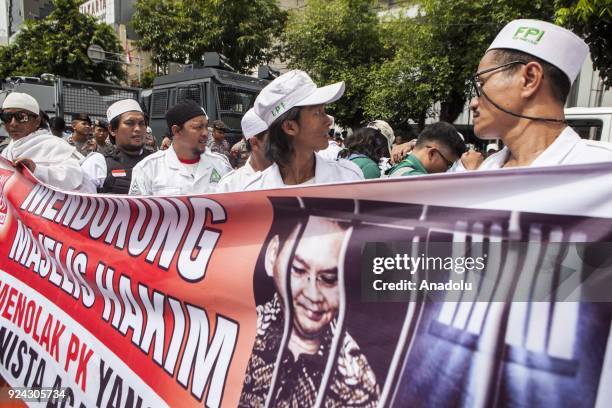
x=520, y=90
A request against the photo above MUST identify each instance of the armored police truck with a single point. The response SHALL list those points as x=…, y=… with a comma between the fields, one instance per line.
x=224, y=94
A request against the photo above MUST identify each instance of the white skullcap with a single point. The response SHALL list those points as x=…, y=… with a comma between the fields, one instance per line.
x=252, y=124
x=119, y=107
x=492, y=146
x=549, y=42
x=18, y=100
x=293, y=88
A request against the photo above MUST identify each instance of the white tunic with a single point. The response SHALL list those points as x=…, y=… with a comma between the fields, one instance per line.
x=331, y=152
x=237, y=179
x=161, y=173
x=57, y=162
x=326, y=171
x=568, y=148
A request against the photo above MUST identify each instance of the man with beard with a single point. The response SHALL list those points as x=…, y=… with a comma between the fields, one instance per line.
x=187, y=167
x=49, y=158
x=112, y=172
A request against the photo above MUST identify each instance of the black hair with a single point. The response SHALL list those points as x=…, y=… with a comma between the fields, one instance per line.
x=367, y=141
x=560, y=84
x=280, y=146
x=57, y=123
x=114, y=123
x=443, y=133
x=259, y=137
x=44, y=120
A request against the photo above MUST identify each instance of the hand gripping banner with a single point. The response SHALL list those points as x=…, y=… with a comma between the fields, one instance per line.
x=473, y=290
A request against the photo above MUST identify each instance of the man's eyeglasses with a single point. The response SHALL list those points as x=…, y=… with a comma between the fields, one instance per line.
x=20, y=117
x=449, y=163
x=475, y=79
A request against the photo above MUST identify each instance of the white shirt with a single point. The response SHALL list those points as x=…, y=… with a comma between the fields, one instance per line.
x=94, y=165
x=237, y=179
x=568, y=148
x=161, y=173
x=331, y=153
x=57, y=162
x=326, y=171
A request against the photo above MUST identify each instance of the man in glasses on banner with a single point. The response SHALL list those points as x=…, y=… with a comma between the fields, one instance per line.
x=51, y=159
x=521, y=87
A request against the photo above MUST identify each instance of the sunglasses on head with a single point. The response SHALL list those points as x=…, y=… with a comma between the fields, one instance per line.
x=20, y=117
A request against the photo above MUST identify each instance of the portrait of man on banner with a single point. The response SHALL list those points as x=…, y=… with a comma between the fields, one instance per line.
x=290, y=363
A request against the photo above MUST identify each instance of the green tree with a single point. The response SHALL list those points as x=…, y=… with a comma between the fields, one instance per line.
x=337, y=40
x=181, y=31
x=591, y=19
x=462, y=30
x=58, y=45
x=406, y=87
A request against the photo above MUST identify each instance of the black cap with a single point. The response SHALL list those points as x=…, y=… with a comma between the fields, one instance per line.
x=100, y=123
x=182, y=112
x=81, y=116
x=219, y=125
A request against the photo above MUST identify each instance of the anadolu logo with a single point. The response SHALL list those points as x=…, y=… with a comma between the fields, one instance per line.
x=3, y=204
x=529, y=34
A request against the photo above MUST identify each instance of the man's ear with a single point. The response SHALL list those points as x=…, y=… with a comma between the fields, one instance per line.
x=271, y=255
x=175, y=129
x=532, y=77
x=290, y=127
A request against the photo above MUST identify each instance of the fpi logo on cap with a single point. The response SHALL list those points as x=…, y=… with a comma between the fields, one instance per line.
x=529, y=34
x=278, y=109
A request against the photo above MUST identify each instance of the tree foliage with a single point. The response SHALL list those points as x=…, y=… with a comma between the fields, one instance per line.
x=591, y=19
x=58, y=45
x=337, y=40
x=181, y=31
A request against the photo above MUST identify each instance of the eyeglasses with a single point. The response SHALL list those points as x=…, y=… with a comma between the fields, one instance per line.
x=20, y=117
x=475, y=80
x=449, y=163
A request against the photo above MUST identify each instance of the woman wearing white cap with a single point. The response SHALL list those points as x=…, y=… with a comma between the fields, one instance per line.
x=112, y=172
x=255, y=132
x=294, y=109
x=51, y=159
x=521, y=87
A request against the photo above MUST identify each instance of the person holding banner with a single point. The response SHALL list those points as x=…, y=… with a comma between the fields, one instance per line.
x=49, y=158
x=305, y=269
x=255, y=134
x=187, y=167
x=293, y=108
x=521, y=87
x=112, y=172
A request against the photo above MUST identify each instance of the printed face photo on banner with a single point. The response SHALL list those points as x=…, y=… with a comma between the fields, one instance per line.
x=328, y=351
x=337, y=351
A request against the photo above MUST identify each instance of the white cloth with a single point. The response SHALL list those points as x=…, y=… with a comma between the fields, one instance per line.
x=326, y=171
x=94, y=165
x=568, y=148
x=331, y=153
x=57, y=162
x=237, y=179
x=161, y=173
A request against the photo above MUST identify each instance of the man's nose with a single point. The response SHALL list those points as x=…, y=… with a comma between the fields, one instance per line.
x=312, y=290
x=473, y=103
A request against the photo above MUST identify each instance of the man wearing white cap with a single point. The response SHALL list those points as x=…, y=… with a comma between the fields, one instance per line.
x=521, y=86
x=255, y=133
x=51, y=159
x=187, y=166
x=112, y=172
x=293, y=108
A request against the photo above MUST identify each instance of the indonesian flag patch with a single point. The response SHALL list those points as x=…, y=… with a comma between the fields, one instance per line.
x=119, y=173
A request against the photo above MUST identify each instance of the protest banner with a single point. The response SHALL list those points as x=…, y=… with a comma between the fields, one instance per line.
x=479, y=289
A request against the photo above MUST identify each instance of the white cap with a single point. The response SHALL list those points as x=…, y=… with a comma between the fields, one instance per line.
x=549, y=42
x=385, y=129
x=492, y=146
x=18, y=100
x=293, y=88
x=119, y=107
x=252, y=124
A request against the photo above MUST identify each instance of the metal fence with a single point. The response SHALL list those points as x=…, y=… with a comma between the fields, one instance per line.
x=89, y=97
